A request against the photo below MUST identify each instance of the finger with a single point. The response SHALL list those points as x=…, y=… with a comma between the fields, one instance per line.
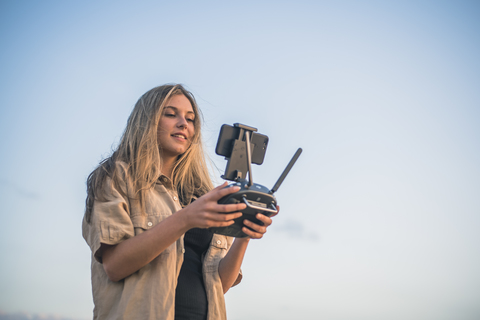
x=278, y=210
x=223, y=191
x=265, y=219
x=252, y=234
x=223, y=185
x=232, y=207
x=223, y=216
x=219, y=219
x=255, y=227
x=214, y=191
x=216, y=224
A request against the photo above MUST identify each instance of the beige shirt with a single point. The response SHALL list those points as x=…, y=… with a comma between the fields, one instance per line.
x=148, y=293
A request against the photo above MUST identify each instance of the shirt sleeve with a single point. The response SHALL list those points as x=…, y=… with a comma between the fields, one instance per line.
x=110, y=221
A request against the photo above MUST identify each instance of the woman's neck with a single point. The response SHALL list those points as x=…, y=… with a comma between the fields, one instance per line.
x=167, y=166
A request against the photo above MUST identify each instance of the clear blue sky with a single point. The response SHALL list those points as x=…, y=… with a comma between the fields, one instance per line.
x=380, y=218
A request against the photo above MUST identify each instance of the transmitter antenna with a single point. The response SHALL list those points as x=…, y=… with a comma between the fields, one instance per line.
x=286, y=171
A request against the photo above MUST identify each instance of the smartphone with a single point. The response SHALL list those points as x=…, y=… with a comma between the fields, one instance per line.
x=229, y=134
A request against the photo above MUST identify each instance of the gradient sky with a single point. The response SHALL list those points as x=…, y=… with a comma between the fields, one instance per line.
x=380, y=217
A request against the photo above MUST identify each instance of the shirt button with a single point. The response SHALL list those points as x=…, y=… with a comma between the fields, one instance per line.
x=219, y=242
x=183, y=250
x=149, y=224
x=175, y=198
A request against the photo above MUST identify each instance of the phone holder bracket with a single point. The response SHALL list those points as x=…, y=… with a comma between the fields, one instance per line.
x=238, y=162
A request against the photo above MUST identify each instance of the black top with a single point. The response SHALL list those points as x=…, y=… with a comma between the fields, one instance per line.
x=190, y=297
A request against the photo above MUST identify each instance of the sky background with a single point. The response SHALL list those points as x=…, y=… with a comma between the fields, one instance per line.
x=380, y=216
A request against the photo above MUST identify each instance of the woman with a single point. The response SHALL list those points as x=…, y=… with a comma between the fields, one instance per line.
x=148, y=210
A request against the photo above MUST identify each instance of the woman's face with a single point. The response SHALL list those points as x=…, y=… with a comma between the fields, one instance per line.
x=176, y=128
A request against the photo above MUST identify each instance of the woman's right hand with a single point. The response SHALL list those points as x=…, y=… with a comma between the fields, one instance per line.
x=206, y=212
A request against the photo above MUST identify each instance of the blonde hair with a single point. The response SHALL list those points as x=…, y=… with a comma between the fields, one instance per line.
x=140, y=151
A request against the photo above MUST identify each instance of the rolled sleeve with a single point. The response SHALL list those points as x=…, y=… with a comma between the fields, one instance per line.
x=110, y=222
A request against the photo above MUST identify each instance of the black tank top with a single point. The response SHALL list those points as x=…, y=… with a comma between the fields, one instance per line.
x=190, y=296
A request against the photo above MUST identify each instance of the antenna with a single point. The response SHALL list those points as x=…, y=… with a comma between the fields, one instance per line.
x=286, y=171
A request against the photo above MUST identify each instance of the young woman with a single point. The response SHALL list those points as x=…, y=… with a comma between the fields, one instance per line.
x=148, y=210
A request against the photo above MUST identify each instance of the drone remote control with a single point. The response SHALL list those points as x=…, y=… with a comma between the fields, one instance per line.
x=236, y=144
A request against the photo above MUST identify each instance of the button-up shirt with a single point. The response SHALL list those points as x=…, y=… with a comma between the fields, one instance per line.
x=148, y=293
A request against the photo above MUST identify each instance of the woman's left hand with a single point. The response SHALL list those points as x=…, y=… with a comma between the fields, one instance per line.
x=258, y=230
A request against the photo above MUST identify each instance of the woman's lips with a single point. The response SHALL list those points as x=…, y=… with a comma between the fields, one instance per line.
x=180, y=136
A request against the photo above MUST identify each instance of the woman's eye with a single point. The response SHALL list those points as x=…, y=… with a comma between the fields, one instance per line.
x=169, y=115
x=191, y=120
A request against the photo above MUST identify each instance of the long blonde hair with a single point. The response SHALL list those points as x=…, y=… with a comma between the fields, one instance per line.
x=139, y=150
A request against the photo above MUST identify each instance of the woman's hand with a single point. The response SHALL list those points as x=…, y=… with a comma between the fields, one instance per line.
x=258, y=230
x=206, y=212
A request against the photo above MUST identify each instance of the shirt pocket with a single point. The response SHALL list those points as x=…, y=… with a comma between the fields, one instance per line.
x=216, y=252
x=219, y=242
x=145, y=222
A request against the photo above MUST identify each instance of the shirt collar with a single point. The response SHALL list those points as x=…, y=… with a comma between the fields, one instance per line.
x=166, y=181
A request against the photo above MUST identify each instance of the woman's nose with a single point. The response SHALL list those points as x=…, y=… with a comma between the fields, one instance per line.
x=182, y=122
